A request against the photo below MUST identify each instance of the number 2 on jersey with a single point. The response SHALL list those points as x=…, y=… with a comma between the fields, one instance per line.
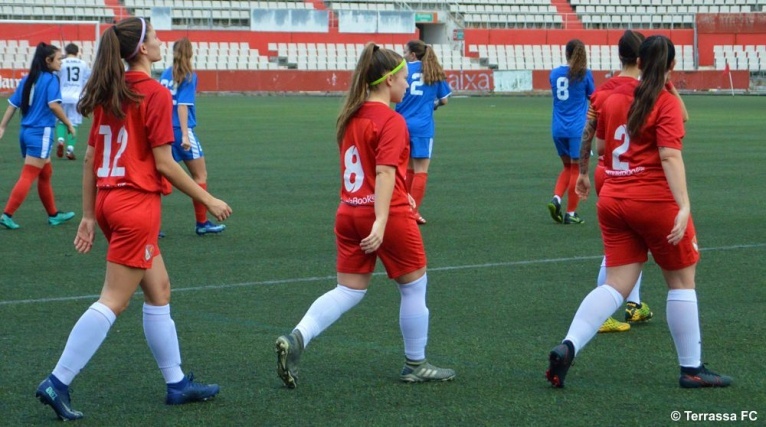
x=621, y=134
x=353, y=174
x=417, y=81
x=108, y=165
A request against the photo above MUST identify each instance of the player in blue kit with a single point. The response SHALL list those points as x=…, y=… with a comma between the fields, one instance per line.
x=428, y=90
x=571, y=84
x=182, y=83
x=38, y=96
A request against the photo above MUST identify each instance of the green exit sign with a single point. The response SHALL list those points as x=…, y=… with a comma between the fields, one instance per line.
x=424, y=17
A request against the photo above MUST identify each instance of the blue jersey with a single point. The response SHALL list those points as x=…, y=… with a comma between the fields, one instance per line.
x=182, y=95
x=570, y=102
x=45, y=91
x=417, y=107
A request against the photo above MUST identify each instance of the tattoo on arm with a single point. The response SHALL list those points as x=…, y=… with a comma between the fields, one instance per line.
x=585, y=145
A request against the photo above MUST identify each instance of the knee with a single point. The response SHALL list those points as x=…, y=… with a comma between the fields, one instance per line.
x=45, y=173
x=117, y=307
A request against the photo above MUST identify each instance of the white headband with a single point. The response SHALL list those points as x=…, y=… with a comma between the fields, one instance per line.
x=140, y=40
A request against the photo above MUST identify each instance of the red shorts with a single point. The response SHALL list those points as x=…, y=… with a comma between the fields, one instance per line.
x=130, y=220
x=631, y=227
x=402, y=249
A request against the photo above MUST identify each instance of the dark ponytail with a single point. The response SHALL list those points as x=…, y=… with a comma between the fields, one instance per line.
x=656, y=54
x=577, y=58
x=39, y=66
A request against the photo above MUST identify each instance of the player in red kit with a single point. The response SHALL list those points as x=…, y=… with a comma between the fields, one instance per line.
x=644, y=206
x=373, y=220
x=126, y=165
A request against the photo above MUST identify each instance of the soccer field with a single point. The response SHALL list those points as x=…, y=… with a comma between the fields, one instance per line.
x=504, y=281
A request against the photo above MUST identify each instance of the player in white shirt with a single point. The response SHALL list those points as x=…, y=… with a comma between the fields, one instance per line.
x=73, y=75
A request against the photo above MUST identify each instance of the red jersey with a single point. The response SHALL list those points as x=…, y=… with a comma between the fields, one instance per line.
x=376, y=135
x=633, y=166
x=123, y=147
x=598, y=98
x=603, y=92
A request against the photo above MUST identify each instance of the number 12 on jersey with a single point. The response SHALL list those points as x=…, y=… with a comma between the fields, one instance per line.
x=108, y=164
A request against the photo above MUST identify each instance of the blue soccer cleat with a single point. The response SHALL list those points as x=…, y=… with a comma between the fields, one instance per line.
x=208, y=227
x=187, y=391
x=58, y=399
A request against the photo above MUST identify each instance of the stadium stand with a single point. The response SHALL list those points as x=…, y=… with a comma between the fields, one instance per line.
x=81, y=10
x=491, y=14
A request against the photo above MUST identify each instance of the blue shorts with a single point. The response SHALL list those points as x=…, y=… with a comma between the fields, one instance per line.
x=568, y=146
x=421, y=148
x=195, y=152
x=36, y=142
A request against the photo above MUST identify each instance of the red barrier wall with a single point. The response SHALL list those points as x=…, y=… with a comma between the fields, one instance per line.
x=472, y=81
x=318, y=81
x=560, y=37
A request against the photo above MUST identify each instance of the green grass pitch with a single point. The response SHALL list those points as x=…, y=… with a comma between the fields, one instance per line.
x=504, y=281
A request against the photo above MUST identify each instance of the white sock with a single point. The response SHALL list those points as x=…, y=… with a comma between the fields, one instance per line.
x=160, y=333
x=326, y=310
x=683, y=321
x=86, y=337
x=635, y=294
x=597, y=306
x=601, y=273
x=413, y=318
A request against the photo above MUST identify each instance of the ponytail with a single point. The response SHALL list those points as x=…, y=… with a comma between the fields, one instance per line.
x=432, y=69
x=182, y=66
x=373, y=67
x=39, y=66
x=106, y=86
x=656, y=54
x=577, y=58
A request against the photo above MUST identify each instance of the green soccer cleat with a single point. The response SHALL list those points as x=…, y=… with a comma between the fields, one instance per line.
x=613, y=325
x=289, y=349
x=8, y=222
x=702, y=377
x=60, y=218
x=635, y=313
x=554, y=207
x=573, y=219
x=424, y=372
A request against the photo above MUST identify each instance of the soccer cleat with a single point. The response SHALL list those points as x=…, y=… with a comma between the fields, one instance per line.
x=573, y=219
x=70, y=153
x=161, y=235
x=554, y=207
x=635, y=313
x=613, y=325
x=187, y=391
x=559, y=361
x=702, y=377
x=289, y=349
x=8, y=222
x=60, y=148
x=58, y=399
x=425, y=372
x=419, y=219
x=60, y=218
x=208, y=227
